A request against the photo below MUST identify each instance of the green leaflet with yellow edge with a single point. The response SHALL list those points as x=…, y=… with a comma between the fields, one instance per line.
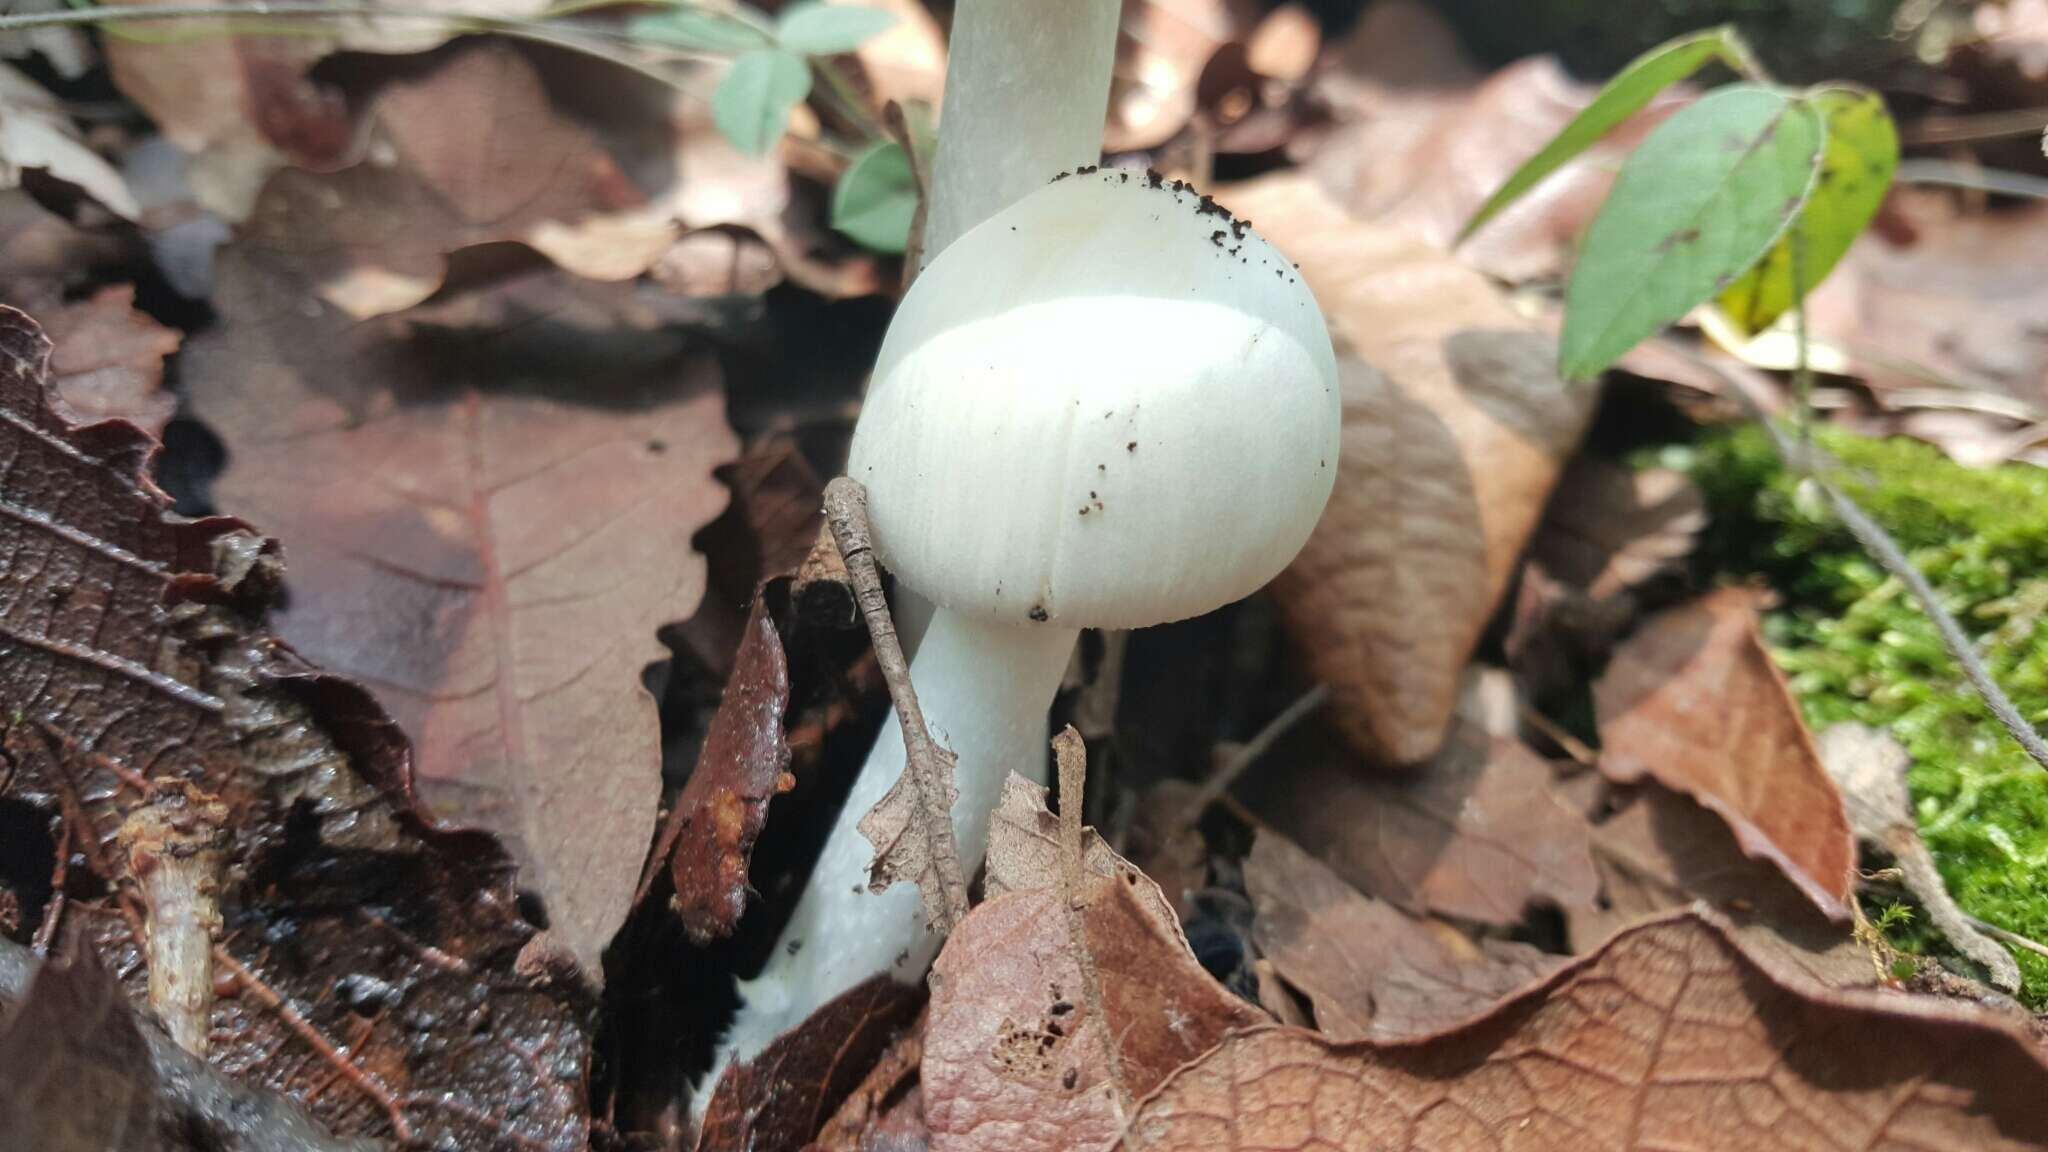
x=1857, y=163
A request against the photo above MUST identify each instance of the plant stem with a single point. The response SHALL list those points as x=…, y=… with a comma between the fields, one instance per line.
x=1879, y=543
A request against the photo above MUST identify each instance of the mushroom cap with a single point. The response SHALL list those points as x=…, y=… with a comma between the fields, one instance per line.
x=1110, y=405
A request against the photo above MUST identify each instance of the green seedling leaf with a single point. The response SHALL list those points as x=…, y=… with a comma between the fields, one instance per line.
x=1695, y=207
x=751, y=106
x=699, y=30
x=1856, y=168
x=816, y=29
x=876, y=200
x=1627, y=94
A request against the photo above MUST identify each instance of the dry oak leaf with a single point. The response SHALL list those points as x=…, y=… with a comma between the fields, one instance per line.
x=1455, y=427
x=1370, y=971
x=489, y=508
x=1478, y=834
x=372, y=967
x=1694, y=701
x=1024, y=852
x=1670, y=1037
x=1014, y=1060
x=108, y=360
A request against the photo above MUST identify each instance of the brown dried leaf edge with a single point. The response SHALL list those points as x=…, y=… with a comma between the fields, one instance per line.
x=1669, y=1036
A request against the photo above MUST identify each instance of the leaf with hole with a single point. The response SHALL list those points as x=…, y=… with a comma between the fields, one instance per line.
x=1627, y=94
x=700, y=30
x=1699, y=203
x=816, y=29
x=876, y=200
x=1856, y=169
x=752, y=104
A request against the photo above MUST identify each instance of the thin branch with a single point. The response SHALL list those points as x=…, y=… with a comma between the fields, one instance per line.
x=1220, y=780
x=846, y=511
x=2008, y=936
x=1949, y=174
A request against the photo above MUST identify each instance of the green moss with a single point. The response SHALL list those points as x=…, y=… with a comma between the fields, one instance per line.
x=1856, y=647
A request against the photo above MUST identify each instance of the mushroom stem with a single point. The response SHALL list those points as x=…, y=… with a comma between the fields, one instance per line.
x=1027, y=88
x=985, y=688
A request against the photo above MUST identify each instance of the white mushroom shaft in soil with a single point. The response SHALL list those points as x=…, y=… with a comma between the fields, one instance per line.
x=985, y=687
x=1027, y=89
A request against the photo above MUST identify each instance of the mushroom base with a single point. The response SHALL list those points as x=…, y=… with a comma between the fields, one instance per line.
x=985, y=688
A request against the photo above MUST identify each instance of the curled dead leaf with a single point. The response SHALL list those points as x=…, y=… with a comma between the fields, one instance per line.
x=1670, y=1036
x=1014, y=1061
x=1694, y=701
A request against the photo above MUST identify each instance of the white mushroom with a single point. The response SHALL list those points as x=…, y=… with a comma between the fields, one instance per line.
x=1108, y=406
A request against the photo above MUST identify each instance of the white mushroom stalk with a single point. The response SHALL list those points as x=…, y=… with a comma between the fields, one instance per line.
x=1027, y=86
x=1108, y=406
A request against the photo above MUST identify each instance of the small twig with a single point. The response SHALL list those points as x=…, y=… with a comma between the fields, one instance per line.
x=846, y=511
x=1070, y=752
x=920, y=158
x=176, y=843
x=1949, y=174
x=1220, y=780
x=2007, y=936
x=53, y=912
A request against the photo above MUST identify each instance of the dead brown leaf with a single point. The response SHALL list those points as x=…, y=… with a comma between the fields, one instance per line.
x=79, y=1077
x=43, y=256
x=108, y=361
x=1422, y=139
x=1661, y=851
x=1870, y=769
x=1013, y=1061
x=786, y=1094
x=87, y=1074
x=37, y=132
x=469, y=153
x=1161, y=49
x=1609, y=531
x=1369, y=970
x=1477, y=834
x=362, y=947
x=886, y=1112
x=1672, y=1036
x=1958, y=306
x=1024, y=853
x=490, y=507
x=1694, y=701
x=1455, y=427
x=907, y=62
x=709, y=835
x=239, y=106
